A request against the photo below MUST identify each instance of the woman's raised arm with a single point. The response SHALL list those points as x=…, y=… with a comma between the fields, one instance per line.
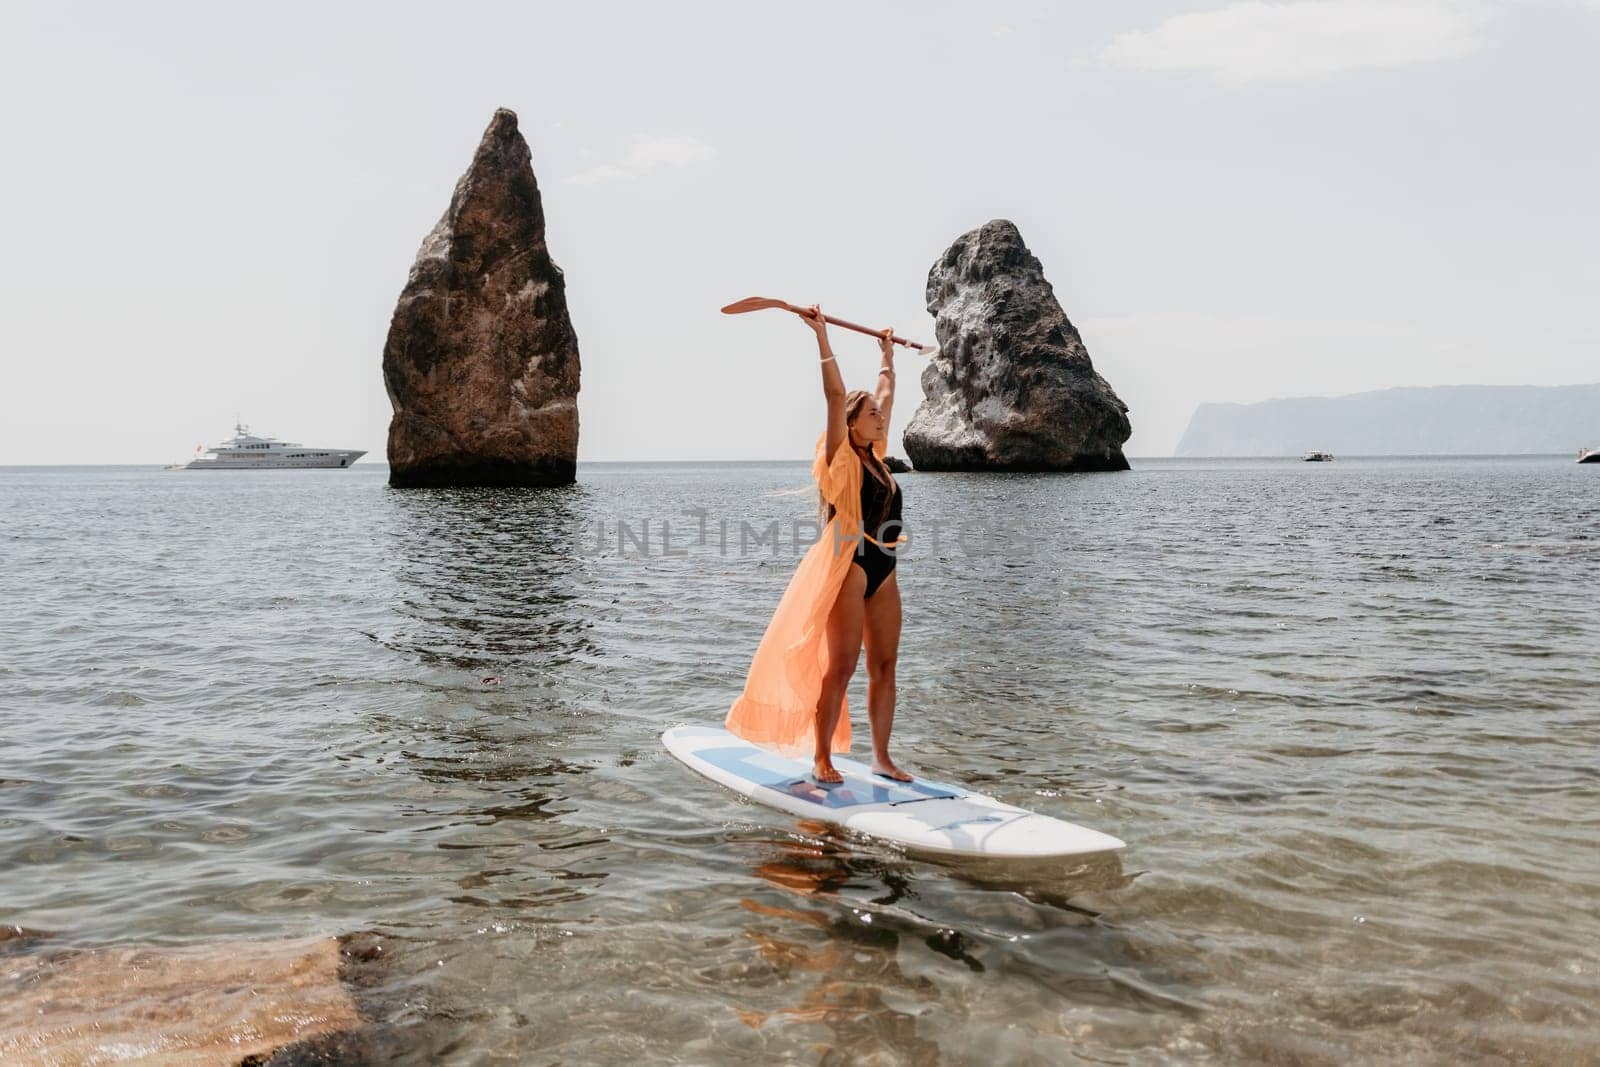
x=885, y=395
x=832, y=381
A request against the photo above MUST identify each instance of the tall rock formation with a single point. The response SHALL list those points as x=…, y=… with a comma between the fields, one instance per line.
x=481, y=363
x=1011, y=387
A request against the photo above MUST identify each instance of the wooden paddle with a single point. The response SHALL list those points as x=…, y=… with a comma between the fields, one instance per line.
x=762, y=303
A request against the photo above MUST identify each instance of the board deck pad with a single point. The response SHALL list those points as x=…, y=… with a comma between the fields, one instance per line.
x=922, y=814
x=860, y=786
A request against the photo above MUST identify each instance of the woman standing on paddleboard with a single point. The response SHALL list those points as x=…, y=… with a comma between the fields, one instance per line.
x=843, y=594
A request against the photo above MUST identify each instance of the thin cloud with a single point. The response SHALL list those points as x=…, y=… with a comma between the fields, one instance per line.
x=648, y=154
x=1256, y=41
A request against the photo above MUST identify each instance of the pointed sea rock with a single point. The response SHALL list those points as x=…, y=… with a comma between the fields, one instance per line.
x=481, y=363
x=1011, y=387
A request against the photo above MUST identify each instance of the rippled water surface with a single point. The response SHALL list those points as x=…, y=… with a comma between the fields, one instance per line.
x=1345, y=715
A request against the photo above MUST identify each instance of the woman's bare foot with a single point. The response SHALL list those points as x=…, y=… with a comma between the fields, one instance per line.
x=824, y=772
x=887, y=768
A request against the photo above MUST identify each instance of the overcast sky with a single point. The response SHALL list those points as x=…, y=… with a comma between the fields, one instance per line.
x=211, y=211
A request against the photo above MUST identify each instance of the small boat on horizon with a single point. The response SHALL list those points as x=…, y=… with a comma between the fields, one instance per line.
x=1316, y=456
x=1589, y=455
x=246, y=451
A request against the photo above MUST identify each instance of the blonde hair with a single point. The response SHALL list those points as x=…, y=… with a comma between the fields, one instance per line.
x=869, y=459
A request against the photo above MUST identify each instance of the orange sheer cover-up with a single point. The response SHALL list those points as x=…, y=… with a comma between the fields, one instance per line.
x=778, y=708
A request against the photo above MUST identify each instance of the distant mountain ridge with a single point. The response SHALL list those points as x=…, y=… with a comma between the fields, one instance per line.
x=1429, y=420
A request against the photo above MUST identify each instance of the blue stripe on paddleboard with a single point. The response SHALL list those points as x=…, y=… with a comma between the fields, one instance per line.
x=774, y=772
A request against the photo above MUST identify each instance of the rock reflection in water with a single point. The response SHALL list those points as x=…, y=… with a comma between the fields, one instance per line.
x=489, y=578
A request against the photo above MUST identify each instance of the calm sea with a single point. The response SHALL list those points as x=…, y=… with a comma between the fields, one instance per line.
x=1346, y=716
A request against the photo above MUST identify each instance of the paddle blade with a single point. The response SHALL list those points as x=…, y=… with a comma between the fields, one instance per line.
x=755, y=303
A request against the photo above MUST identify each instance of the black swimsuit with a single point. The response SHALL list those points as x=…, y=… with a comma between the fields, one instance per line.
x=877, y=562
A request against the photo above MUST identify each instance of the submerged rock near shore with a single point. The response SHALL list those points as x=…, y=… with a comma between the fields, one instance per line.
x=234, y=1002
x=481, y=363
x=1011, y=387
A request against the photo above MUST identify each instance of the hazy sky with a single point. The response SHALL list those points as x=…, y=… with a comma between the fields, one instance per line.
x=211, y=210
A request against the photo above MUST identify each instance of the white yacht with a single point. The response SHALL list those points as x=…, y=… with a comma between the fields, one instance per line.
x=249, y=452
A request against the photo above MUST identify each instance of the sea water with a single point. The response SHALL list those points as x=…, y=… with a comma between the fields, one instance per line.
x=1346, y=716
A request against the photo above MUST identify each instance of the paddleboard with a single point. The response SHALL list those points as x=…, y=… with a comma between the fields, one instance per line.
x=925, y=815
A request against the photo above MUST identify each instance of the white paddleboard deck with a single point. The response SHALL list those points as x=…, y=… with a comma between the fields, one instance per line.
x=923, y=814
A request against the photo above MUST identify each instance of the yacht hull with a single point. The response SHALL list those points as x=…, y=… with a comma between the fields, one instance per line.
x=323, y=461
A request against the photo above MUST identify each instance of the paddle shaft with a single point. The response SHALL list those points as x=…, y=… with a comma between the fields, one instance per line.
x=847, y=324
x=858, y=328
x=755, y=303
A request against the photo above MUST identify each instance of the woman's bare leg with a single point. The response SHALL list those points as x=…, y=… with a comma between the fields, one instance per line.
x=881, y=628
x=844, y=651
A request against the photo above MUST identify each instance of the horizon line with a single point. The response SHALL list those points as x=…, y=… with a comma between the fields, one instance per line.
x=914, y=470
